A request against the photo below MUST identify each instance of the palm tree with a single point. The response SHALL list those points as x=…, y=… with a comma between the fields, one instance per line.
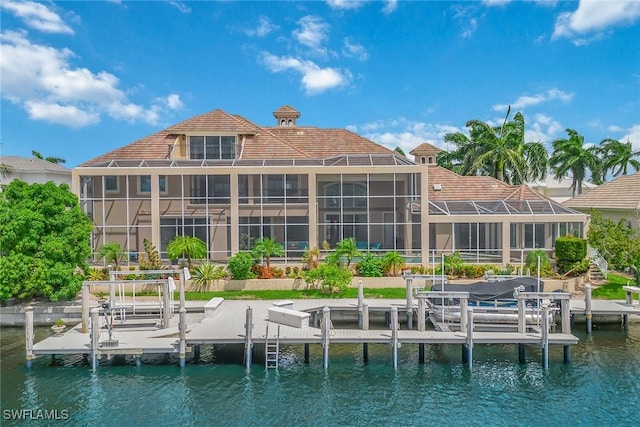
x=266, y=248
x=393, y=262
x=112, y=253
x=188, y=247
x=618, y=157
x=498, y=151
x=346, y=248
x=571, y=156
x=5, y=170
x=50, y=159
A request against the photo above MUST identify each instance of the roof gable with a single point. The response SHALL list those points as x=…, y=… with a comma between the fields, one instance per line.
x=621, y=193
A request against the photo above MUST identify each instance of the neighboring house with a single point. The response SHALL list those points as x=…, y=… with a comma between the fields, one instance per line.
x=425, y=154
x=616, y=200
x=559, y=190
x=228, y=181
x=33, y=170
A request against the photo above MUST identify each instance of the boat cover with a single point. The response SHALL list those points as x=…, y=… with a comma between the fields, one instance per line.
x=490, y=291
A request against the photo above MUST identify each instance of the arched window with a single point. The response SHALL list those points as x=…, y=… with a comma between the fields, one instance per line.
x=351, y=194
x=431, y=160
x=423, y=160
x=283, y=123
x=290, y=123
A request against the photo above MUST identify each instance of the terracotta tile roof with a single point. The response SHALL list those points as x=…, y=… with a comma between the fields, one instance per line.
x=215, y=121
x=425, y=147
x=321, y=143
x=457, y=187
x=286, y=111
x=621, y=193
x=260, y=142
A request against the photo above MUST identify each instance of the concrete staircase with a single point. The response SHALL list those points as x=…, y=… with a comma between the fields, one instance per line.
x=596, y=277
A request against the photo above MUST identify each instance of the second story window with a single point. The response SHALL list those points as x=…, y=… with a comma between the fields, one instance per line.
x=212, y=147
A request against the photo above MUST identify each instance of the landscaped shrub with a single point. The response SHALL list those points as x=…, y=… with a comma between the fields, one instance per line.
x=370, y=266
x=570, y=251
x=392, y=263
x=531, y=263
x=239, y=265
x=205, y=274
x=328, y=277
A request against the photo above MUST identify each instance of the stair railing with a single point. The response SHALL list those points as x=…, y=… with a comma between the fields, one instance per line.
x=599, y=261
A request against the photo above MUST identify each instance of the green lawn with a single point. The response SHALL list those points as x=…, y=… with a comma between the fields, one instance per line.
x=613, y=288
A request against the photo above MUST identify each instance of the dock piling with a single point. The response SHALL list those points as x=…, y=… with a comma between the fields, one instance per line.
x=326, y=329
x=587, y=307
x=365, y=317
x=248, y=345
x=421, y=314
x=95, y=331
x=394, y=335
x=469, y=344
x=545, y=336
x=183, y=334
x=28, y=331
x=85, y=308
x=360, y=304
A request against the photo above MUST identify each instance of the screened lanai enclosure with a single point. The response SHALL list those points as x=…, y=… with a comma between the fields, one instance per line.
x=378, y=200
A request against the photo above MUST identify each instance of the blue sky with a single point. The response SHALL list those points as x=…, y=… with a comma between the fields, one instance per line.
x=82, y=78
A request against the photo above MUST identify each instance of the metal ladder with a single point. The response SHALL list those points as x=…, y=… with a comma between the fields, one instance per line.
x=271, y=350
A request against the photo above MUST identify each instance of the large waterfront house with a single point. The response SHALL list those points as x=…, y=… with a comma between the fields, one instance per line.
x=228, y=181
x=616, y=200
x=33, y=170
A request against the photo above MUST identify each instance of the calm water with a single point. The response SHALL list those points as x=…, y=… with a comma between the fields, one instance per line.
x=601, y=387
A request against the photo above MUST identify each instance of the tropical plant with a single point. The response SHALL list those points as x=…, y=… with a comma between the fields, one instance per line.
x=150, y=259
x=618, y=157
x=497, y=151
x=573, y=156
x=311, y=257
x=329, y=278
x=49, y=159
x=188, y=247
x=617, y=243
x=265, y=248
x=239, y=265
x=393, y=262
x=112, y=252
x=205, y=274
x=370, y=266
x=44, y=239
x=345, y=249
x=531, y=262
x=96, y=274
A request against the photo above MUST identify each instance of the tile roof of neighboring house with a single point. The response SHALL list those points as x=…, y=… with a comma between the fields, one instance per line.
x=456, y=187
x=286, y=111
x=33, y=164
x=551, y=182
x=293, y=142
x=621, y=193
x=425, y=147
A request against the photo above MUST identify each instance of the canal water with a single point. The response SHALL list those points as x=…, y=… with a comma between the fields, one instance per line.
x=600, y=387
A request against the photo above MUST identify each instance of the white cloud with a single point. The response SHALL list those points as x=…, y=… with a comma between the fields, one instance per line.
x=496, y=2
x=632, y=135
x=529, y=100
x=354, y=50
x=390, y=6
x=42, y=80
x=465, y=17
x=181, y=6
x=593, y=18
x=543, y=129
x=404, y=133
x=345, y=4
x=314, y=79
x=313, y=33
x=37, y=16
x=173, y=102
x=263, y=28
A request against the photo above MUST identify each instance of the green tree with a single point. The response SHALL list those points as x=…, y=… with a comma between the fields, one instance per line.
x=265, y=248
x=188, y=247
x=49, y=159
x=497, y=151
x=572, y=156
x=44, y=241
x=112, y=252
x=400, y=151
x=618, y=157
x=393, y=262
x=345, y=249
x=617, y=243
x=239, y=265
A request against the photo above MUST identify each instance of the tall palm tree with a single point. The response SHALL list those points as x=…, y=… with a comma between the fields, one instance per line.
x=188, y=247
x=498, y=151
x=51, y=159
x=618, y=157
x=572, y=156
x=266, y=248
